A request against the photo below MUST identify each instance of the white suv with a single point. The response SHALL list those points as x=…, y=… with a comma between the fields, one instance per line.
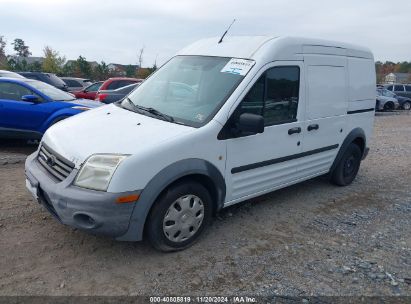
x=218, y=124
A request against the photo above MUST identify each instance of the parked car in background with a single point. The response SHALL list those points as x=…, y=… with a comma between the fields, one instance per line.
x=118, y=82
x=4, y=73
x=49, y=78
x=89, y=92
x=110, y=96
x=404, y=102
x=399, y=89
x=75, y=84
x=385, y=103
x=29, y=107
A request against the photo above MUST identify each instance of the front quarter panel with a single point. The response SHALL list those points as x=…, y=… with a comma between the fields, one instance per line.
x=137, y=170
x=63, y=112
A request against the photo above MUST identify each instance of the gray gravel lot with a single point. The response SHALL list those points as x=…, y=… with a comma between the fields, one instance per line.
x=309, y=239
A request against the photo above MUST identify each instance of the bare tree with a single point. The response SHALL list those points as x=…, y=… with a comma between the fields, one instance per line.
x=140, y=57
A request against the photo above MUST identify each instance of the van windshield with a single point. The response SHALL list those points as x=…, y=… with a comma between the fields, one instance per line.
x=188, y=89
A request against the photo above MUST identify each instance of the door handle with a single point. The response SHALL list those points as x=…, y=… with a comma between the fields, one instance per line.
x=313, y=127
x=294, y=130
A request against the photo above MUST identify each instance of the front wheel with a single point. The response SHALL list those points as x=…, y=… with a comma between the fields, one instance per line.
x=348, y=166
x=406, y=105
x=179, y=216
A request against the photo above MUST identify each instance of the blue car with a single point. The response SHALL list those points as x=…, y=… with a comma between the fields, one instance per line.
x=29, y=107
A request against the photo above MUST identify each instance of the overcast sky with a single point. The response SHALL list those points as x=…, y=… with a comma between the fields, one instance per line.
x=114, y=31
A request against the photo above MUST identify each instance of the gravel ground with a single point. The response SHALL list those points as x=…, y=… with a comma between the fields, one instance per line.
x=309, y=239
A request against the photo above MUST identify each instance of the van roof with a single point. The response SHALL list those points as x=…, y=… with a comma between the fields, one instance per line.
x=254, y=46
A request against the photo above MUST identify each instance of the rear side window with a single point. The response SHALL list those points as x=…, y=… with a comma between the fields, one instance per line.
x=399, y=88
x=13, y=91
x=126, y=89
x=94, y=87
x=119, y=84
x=274, y=96
x=114, y=85
x=408, y=88
x=72, y=83
x=35, y=77
x=54, y=80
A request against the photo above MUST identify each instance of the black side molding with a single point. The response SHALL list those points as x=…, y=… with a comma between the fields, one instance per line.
x=361, y=111
x=281, y=159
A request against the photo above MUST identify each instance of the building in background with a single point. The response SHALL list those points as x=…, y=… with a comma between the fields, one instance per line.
x=397, y=78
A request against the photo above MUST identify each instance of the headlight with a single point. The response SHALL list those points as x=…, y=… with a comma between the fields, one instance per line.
x=97, y=171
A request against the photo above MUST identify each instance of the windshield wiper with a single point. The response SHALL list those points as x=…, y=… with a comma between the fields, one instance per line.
x=151, y=111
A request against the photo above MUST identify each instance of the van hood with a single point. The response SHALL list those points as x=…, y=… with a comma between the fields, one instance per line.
x=108, y=129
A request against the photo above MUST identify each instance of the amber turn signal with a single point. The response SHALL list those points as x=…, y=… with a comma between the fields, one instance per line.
x=127, y=199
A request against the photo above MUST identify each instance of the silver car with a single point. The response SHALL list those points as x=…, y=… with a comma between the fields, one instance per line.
x=385, y=103
x=76, y=84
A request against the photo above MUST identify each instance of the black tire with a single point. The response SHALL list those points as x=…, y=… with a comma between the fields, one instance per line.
x=348, y=166
x=156, y=232
x=389, y=106
x=406, y=105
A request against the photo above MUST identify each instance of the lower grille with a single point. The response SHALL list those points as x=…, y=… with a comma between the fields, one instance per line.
x=55, y=164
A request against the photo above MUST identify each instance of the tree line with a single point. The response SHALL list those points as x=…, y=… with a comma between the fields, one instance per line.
x=384, y=68
x=55, y=63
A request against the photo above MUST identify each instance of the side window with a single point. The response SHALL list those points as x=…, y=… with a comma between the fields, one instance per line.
x=72, y=83
x=282, y=88
x=114, y=85
x=94, y=87
x=274, y=95
x=399, y=88
x=13, y=91
x=408, y=88
x=389, y=88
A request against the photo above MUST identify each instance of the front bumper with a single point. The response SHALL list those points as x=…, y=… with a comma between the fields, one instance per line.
x=90, y=210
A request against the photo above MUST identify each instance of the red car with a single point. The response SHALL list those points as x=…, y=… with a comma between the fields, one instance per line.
x=118, y=82
x=89, y=92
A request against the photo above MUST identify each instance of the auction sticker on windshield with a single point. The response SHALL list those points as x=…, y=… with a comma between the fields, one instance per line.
x=238, y=66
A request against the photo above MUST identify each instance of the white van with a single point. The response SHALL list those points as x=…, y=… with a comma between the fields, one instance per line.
x=218, y=124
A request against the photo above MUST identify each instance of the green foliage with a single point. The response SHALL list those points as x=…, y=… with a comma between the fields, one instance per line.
x=52, y=63
x=3, y=57
x=101, y=71
x=80, y=68
x=130, y=71
x=21, y=48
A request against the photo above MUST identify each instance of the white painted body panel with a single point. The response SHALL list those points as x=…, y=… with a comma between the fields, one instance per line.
x=154, y=144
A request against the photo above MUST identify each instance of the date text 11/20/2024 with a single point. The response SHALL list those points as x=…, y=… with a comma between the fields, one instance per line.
x=205, y=299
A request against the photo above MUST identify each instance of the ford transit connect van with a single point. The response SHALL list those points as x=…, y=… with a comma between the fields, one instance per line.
x=218, y=124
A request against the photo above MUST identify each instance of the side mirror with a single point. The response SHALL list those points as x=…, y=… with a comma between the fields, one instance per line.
x=250, y=124
x=30, y=98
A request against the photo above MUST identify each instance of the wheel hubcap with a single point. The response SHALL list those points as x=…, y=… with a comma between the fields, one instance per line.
x=183, y=218
x=407, y=106
x=349, y=166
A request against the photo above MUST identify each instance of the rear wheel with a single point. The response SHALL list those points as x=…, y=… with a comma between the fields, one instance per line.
x=389, y=106
x=406, y=105
x=348, y=166
x=179, y=217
